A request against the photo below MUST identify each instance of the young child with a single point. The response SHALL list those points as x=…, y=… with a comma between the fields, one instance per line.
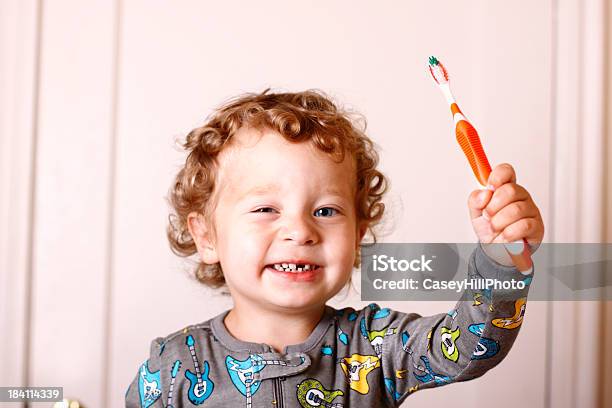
x=276, y=195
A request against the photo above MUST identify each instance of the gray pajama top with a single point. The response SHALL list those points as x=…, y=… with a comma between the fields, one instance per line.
x=371, y=357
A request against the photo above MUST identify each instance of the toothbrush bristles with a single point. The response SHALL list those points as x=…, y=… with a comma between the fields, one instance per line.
x=437, y=70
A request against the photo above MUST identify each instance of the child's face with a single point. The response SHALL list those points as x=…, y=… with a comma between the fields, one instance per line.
x=280, y=202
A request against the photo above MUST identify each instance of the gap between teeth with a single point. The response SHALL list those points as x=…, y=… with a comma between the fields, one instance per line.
x=284, y=267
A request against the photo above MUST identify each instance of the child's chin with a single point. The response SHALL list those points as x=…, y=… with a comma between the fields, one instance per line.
x=291, y=300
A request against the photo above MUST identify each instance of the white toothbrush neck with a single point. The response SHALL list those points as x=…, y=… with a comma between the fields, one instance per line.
x=445, y=88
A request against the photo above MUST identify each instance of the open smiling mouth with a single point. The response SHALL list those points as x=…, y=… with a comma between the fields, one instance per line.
x=296, y=272
x=294, y=267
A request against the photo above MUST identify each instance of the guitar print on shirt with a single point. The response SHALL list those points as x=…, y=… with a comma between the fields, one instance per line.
x=200, y=386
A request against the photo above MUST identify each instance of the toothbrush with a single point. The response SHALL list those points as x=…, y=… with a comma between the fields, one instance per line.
x=468, y=139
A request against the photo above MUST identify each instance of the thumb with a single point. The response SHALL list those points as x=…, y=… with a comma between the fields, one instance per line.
x=477, y=201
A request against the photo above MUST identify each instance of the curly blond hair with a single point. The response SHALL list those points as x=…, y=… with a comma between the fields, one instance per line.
x=298, y=117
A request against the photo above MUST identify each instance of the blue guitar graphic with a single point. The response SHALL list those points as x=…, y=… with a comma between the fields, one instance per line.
x=149, y=385
x=486, y=347
x=173, y=373
x=390, y=385
x=405, y=338
x=242, y=372
x=200, y=386
x=381, y=313
x=342, y=336
x=429, y=374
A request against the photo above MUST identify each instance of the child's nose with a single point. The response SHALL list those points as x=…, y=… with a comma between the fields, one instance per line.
x=300, y=230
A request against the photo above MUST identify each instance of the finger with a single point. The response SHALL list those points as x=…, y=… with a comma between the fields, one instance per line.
x=505, y=195
x=512, y=213
x=534, y=241
x=502, y=174
x=478, y=200
x=483, y=230
x=527, y=228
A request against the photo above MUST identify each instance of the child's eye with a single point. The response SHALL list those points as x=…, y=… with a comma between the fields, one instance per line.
x=264, y=209
x=326, y=211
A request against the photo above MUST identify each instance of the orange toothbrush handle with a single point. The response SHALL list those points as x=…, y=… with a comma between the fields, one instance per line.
x=468, y=139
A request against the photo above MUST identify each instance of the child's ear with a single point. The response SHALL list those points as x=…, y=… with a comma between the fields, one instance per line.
x=201, y=235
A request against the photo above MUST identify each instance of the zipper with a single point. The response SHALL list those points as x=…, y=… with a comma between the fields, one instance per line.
x=278, y=392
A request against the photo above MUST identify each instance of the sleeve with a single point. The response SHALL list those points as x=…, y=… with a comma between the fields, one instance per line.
x=146, y=390
x=423, y=352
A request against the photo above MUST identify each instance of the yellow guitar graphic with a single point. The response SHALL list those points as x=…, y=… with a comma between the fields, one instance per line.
x=449, y=348
x=356, y=369
x=311, y=394
x=514, y=321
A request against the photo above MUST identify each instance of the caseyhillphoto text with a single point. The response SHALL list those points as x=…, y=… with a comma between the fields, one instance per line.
x=453, y=285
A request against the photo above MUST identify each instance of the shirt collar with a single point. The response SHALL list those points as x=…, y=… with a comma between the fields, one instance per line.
x=222, y=334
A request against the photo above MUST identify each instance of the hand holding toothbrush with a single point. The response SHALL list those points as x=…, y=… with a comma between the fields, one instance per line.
x=504, y=212
x=467, y=137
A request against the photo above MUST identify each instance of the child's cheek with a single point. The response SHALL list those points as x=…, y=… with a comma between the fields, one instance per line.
x=251, y=243
x=341, y=248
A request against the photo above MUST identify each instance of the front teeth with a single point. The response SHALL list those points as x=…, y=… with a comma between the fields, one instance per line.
x=291, y=267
